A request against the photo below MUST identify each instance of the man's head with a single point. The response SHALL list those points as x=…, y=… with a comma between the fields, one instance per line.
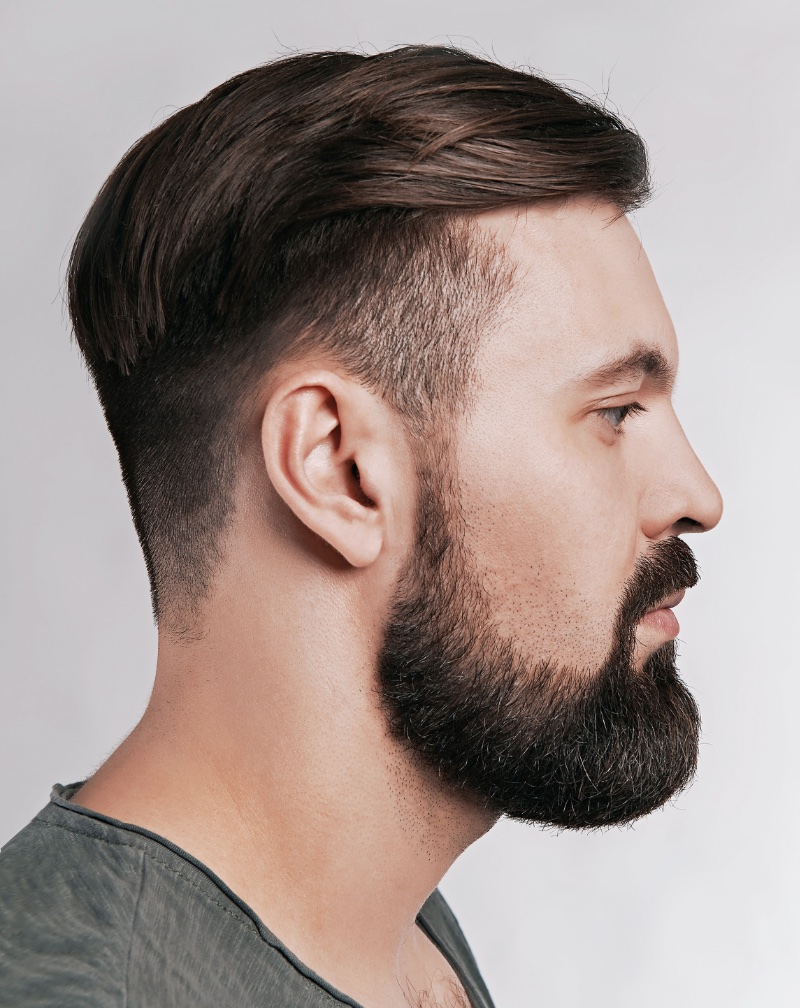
x=448, y=237
x=321, y=201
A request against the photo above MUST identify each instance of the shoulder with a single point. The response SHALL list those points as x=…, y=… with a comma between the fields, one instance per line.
x=95, y=913
x=67, y=898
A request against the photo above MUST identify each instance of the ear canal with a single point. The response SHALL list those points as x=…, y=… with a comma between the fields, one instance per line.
x=367, y=501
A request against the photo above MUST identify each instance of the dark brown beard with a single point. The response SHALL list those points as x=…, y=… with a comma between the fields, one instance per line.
x=572, y=748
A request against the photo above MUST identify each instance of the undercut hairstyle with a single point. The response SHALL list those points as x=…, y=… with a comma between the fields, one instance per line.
x=320, y=202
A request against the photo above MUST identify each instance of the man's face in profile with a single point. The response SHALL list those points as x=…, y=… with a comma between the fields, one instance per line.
x=529, y=656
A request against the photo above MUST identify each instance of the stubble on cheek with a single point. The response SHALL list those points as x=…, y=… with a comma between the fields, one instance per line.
x=547, y=604
x=549, y=559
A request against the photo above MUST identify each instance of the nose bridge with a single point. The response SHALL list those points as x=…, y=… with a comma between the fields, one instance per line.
x=682, y=497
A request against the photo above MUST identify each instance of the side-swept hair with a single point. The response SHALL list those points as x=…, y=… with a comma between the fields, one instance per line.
x=317, y=200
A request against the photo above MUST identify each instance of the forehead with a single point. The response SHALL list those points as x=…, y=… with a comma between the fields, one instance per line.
x=584, y=295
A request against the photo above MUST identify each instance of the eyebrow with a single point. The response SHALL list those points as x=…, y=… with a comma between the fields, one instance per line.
x=642, y=360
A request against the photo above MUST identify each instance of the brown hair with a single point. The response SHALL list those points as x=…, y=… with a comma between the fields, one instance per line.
x=317, y=199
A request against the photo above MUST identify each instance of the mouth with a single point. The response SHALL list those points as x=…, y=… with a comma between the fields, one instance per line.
x=662, y=619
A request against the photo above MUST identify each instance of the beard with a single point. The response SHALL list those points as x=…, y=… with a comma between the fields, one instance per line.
x=569, y=747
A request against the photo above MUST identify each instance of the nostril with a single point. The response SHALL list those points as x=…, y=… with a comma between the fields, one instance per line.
x=688, y=525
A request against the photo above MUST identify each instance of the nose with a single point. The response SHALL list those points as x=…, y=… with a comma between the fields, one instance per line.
x=681, y=497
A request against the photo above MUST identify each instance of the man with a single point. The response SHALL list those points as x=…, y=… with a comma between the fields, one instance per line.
x=390, y=380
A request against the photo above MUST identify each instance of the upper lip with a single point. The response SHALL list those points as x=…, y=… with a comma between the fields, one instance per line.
x=670, y=601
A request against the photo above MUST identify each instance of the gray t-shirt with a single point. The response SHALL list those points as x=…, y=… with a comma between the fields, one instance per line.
x=96, y=913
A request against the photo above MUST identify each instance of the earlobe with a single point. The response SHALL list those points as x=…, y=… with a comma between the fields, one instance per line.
x=316, y=437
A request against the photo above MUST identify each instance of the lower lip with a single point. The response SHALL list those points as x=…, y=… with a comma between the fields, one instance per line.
x=662, y=620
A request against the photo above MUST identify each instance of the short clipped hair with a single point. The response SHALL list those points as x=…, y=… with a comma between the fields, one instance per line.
x=321, y=200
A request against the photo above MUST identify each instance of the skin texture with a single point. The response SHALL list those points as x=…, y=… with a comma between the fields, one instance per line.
x=566, y=505
x=264, y=750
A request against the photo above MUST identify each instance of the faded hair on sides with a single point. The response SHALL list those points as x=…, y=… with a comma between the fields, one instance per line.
x=322, y=200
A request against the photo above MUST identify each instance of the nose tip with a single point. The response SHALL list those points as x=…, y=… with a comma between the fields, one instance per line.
x=710, y=510
x=719, y=507
x=705, y=509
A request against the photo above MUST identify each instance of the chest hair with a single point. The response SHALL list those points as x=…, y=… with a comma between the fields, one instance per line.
x=450, y=994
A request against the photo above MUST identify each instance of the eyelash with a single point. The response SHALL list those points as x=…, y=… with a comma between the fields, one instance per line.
x=630, y=409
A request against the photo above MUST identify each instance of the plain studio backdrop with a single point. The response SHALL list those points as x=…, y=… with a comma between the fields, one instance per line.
x=697, y=905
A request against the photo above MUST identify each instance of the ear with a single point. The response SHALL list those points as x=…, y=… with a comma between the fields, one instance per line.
x=324, y=441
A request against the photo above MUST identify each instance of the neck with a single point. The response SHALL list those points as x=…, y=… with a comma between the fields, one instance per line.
x=264, y=753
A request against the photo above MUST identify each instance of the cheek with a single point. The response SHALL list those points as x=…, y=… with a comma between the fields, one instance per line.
x=552, y=528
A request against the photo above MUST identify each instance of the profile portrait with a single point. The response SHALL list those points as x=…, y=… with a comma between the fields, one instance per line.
x=401, y=461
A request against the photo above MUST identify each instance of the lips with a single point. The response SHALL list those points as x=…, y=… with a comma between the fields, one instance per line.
x=662, y=619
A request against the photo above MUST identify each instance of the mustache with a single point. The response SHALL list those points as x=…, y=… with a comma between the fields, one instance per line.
x=668, y=567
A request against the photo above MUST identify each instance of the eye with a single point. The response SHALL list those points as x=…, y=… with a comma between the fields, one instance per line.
x=617, y=415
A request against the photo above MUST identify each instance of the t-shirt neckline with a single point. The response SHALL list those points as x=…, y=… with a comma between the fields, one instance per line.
x=61, y=795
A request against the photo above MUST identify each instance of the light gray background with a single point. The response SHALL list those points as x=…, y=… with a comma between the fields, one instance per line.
x=697, y=905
